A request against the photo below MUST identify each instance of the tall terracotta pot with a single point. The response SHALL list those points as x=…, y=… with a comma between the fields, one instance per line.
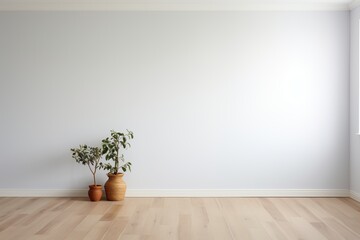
x=115, y=187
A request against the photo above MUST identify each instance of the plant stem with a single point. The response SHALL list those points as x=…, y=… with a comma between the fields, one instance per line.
x=93, y=173
x=117, y=158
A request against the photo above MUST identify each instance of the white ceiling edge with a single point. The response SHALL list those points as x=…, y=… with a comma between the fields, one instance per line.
x=298, y=5
x=354, y=4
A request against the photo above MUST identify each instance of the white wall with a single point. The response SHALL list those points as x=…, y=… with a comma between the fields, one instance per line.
x=354, y=104
x=217, y=100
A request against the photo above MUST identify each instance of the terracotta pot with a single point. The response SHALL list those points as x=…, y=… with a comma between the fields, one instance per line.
x=115, y=187
x=95, y=192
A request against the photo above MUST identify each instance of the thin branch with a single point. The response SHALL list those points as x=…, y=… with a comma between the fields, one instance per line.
x=90, y=168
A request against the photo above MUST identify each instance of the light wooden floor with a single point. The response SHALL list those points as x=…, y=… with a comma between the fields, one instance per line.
x=180, y=218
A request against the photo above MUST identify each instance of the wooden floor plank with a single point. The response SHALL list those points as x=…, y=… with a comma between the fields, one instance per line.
x=180, y=218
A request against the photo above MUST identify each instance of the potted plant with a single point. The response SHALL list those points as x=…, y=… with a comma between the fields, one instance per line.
x=90, y=156
x=115, y=187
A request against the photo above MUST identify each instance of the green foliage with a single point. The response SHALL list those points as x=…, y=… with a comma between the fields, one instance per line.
x=89, y=156
x=111, y=147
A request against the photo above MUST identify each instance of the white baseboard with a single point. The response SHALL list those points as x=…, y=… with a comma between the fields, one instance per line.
x=43, y=193
x=355, y=196
x=237, y=193
x=186, y=193
x=254, y=5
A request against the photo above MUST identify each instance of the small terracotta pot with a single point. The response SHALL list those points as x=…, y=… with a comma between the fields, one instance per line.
x=115, y=187
x=95, y=192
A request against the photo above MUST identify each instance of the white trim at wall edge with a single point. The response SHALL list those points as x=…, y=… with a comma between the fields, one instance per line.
x=355, y=196
x=354, y=4
x=186, y=193
x=254, y=5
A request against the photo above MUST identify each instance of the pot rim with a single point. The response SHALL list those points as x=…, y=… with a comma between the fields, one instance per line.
x=115, y=175
x=98, y=186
